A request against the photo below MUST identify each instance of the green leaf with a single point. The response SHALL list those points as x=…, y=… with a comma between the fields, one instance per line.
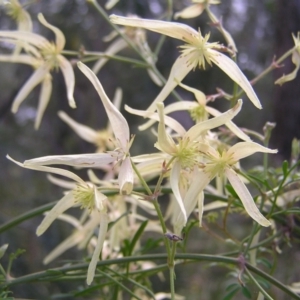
x=231, y=294
x=137, y=236
x=285, y=168
x=246, y=292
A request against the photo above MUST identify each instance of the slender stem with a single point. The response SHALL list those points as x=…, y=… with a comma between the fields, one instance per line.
x=45, y=275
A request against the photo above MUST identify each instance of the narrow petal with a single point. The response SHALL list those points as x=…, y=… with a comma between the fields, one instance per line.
x=233, y=71
x=200, y=96
x=198, y=129
x=170, y=122
x=68, y=73
x=110, y=4
x=57, y=171
x=36, y=78
x=63, y=204
x=164, y=141
x=20, y=58
x=99, y=199
x=101, y=237
x=244, y=149
x=191, y=11
x=179, y=70
x=118, y=122
x=87, y=160
x=59, y=36
x=83, y=131
x=246, y=198
x=200, y=208
x=25, y=36
x=172, y=29
x=174, y=181
x=125, y=177
x=230, y=125
x=44, y=98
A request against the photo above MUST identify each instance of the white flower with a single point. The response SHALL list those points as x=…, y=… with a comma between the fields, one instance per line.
x=197, y=52
x=44, y=56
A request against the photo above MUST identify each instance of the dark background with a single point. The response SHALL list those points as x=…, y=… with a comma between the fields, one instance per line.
x=261, y=29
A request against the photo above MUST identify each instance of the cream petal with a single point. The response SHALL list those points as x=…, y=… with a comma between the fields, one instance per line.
x=179, y=70
x=244, y=149
x=85, y=132
x=164, y=141
x=173, y=29
x=99, y=199
x=200, y=207
x=68, y=73
x=59, y=36
x=125, y=177
x=63, y=204
x=170, y=122
x=87, y=160
x=246, y=197
x=118, y=122
x=110, y=4
x=200, y=96
x=101, y=237
x=230, y=125
x=36, y=78
x=174, y=181
x=58, y=171
x=44, y=98
x=191, y=11
x=20, y=58
x=194, y=132
x=25, y=36
x=233, y=71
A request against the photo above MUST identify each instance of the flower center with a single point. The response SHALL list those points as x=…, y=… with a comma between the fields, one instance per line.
x=50, y=53
x=84, y=194
x=187, y=153
x=199, y=114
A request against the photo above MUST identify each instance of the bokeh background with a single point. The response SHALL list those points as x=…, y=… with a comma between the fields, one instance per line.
x=261, y=29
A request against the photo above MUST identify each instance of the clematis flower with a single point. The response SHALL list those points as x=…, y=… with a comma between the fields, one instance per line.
x=84, y=194
x=295, y=60
x=185, y=153
x=222, y=163
x=197, y=52
x=97, y=160
x=44, y=56
x=199, y=111
x=16, y=11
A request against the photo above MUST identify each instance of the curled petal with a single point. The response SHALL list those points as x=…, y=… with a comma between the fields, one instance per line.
x=198, y=129
x=179, y=70
x=244, y=149
x=44, y=98
x=118, y=122
x=101, y=237
x=68, y=73
x=37, y=77
x=59, y=36
x=246, y=198
x=191, y=11
x=63, y=204
x=233, y=71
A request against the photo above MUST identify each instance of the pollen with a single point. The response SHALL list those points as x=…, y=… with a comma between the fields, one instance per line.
x=84, y=195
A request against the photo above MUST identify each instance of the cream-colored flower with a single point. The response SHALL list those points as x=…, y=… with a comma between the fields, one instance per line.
x=44, y=56
x=83, y=194
x=197, y=52
x=185, y=153
x=16, y=11
x=296, y=61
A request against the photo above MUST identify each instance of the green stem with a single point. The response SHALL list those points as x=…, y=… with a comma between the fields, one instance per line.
x=151, y=257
